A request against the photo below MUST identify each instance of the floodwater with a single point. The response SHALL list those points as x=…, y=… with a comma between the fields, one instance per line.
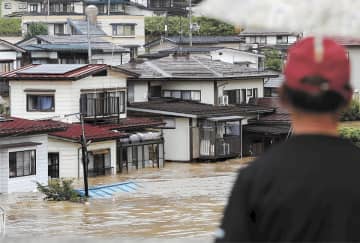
x=180, y=201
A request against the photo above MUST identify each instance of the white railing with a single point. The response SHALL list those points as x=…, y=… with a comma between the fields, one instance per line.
x=2, y=221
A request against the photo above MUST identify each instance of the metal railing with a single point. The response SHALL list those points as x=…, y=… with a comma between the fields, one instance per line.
x=2, y=221
x=101, y=107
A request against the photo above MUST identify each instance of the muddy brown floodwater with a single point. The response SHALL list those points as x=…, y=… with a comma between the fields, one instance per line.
x=179, y=201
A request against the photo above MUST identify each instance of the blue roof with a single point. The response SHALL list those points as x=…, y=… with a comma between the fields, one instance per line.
x=108, y=191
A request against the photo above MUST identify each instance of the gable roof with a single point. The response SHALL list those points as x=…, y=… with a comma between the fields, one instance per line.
x=12, y=46
x=194, y=110
x=190, y=68
x=196, y=40
x=71, y=72
x=14, y=126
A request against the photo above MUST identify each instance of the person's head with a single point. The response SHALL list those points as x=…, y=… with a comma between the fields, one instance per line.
x=317, y=78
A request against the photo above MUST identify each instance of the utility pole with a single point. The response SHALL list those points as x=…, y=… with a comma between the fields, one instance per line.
x=190, y=21
x=85, y=160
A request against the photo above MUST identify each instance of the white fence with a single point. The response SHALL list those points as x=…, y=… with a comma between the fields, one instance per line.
x=2, y=221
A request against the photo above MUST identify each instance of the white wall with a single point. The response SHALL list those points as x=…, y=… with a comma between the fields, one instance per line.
x=67, y=95
x=354, y=54
x=242, y=84
x=206, y=88
x=233, y=56
x=26, y=183
x=271, y=40
x=70, y=165
x=140, y=91
x=177, y=141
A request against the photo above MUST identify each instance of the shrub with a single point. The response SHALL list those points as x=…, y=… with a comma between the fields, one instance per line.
x=35, y=29
x=60, y=190
x=351, y=133
x=10, y=27
x=352, y=113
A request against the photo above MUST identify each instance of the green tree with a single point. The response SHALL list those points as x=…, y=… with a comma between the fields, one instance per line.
x=60, y=190
x=35, y=29
x=352, y=113
x=10, y=27
x=155, y=26
x=273, y=60
x=351, y=133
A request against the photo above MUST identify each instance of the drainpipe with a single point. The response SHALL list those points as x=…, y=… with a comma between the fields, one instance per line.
x=79, y=163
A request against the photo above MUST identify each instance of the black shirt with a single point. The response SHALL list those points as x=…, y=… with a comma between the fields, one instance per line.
x=307, y=189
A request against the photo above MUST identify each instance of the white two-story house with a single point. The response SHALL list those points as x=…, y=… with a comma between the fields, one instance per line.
x=61, y=93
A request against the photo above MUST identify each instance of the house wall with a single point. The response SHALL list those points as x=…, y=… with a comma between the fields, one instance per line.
x=177, y=141
x=11, y=6
x=242, y=84
x=206, y=88
x=141, y=90
x=67, y=95
x=271, y=40
x=26, y=183
x=70, y=165
x=8, y=55
x=354, y=55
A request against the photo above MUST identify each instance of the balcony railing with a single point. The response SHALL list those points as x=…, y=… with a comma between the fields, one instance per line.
x=101, y=107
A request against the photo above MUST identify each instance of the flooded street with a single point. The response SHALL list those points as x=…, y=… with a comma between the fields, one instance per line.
x=179, y=201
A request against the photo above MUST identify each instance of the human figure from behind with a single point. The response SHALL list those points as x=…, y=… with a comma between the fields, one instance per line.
x=307, y=188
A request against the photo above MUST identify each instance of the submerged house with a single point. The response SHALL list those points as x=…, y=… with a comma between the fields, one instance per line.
x=62, y=93
x=24, y=153
x=264, y=131
x=203, y=102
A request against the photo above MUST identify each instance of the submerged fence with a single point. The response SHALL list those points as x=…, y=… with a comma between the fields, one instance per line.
x=2, y=221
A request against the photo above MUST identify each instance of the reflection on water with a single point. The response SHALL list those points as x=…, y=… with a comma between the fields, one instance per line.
x=179, y=201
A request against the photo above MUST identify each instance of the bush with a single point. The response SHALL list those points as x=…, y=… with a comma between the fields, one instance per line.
x=273, y=60
x=155, y=26
x=60, y=190
x=352, y=113
x=351, y=133
x=35, y=29
x=10, y=27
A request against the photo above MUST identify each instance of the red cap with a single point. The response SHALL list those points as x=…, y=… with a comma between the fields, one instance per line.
x=323, y=57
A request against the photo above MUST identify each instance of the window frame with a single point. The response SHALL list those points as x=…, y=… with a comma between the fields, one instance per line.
x=181, y=94
x=41, y=95
x=51, y=155
x=7, y=5
x=57, y=26
x=116, y=33
x=33, y=164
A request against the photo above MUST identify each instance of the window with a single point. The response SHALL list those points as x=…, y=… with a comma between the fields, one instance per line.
x=123, y=29
x=261, y=39
x=33, y=8
x=155, y=91
x=193, y=95
x=282, y=39
x=22, y=163
x=59, y=29
x=102, y=103
x=116, y=8
x=249, y=92
x=7, y=5
x=255, y=93
x=53, y=165
x=43, y=103
x=236, y=96
x=6, y=67
x=252, y=39
x=22, y=5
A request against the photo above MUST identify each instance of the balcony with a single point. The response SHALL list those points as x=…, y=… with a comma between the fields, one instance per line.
x=102, y=108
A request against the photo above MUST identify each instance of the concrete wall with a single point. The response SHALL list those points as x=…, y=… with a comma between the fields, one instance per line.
x=354, y=55
x=70, y=165
x=26, y=183
x=177, y=141
x=67, y=95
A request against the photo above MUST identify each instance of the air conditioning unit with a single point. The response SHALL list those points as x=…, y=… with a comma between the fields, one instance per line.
x=224, y=100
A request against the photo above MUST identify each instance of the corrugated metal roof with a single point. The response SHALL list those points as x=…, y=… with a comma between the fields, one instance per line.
x=81, y=27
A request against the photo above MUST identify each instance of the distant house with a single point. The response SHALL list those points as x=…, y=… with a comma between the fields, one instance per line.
x=10, y=56
x=72, y=50
x=61, y=93
x=119, y=29
x=262, y=38
x=24, y=153
x=205, y=132
x=193, y=78
x=10, y=7
x=264, y=131
x=353, y=47
x=170, y=42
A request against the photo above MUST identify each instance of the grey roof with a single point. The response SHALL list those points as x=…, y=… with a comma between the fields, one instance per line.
x=191, y=67
x=12, y=46
x=258, y=32
x=196, y=110
x=52, y=69
x=197, y=40
x=268, y=129
x=73, y=43
x=274, y=82
x=81, y=28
